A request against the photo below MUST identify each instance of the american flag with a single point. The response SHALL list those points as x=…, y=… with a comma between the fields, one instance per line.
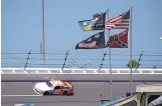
x=119, y=22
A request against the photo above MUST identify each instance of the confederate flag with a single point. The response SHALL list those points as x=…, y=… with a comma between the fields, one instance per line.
x=118, y=40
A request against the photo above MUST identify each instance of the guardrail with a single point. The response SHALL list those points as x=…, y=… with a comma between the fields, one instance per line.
x=77, y=71
x=80, y=75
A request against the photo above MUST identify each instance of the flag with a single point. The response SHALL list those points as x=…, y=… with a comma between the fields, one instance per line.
x=100, y=22
x=97, y=23
x=118, y=40
x=119, y=22
x=96, y=15
x=86, y=25
x=96, y=41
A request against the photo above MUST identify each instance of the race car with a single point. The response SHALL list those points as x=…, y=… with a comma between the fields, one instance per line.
x=54, y=87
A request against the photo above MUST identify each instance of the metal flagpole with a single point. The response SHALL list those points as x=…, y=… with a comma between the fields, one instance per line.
x=43, y=43
x=130, y=46
x=110, y=66
x=109, y=55
x=110, y=69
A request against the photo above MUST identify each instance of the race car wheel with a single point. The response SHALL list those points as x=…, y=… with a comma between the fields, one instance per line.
x=65, y=93
x=46, y=93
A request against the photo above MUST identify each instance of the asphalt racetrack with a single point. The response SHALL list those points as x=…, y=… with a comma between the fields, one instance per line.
x=86, y=94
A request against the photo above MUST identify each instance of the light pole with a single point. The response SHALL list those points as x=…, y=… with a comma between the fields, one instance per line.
x=160, y=38
x=43, y=43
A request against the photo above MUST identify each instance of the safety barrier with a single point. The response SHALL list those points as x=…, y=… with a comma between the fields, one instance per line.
x=80, y=75
x=77, y=71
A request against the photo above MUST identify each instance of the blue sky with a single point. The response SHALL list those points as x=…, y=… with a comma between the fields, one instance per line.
x=21, y=28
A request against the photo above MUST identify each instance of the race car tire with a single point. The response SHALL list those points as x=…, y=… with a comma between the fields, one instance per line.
x=46, y=93
x=65, y=93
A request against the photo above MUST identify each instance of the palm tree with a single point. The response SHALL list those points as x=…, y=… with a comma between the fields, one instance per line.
x=134, y=64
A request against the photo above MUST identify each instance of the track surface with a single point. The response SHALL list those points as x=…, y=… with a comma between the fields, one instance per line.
x=86, y=94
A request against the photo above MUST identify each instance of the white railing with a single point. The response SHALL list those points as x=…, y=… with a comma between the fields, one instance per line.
x=78, y=71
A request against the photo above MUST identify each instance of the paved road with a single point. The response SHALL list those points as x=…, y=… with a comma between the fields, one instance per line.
x=86, y=94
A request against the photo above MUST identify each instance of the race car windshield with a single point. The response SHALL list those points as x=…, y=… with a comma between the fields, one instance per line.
x=49, y=84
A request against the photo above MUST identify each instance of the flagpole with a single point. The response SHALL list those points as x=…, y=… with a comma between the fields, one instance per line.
x=110, y=68
x=43, y=44
x=130, y=46
x=109, y=57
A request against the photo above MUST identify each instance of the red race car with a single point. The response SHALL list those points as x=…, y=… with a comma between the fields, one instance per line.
x=54, y=87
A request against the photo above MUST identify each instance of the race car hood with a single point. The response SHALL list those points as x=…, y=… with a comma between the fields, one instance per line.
x=42, y=86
